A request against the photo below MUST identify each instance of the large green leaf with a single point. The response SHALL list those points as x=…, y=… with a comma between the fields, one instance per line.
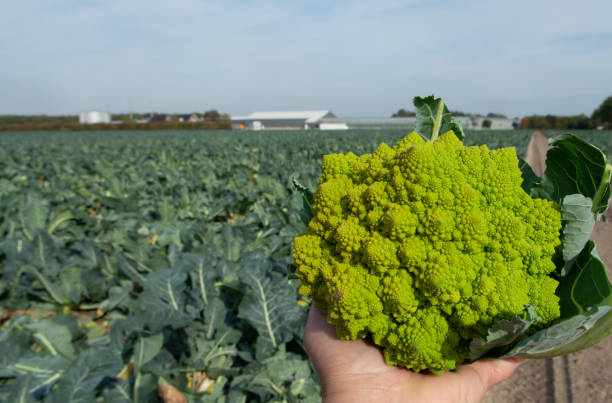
x=433, y=118
x=21, y=390
x=53, y=290
x=215, y=314
x=34, y=214
x=530, y=179
x=116, y=296
x=305, y=212
x=571, y=335
x=72, y=284
x=282, y=376
x=578, y=218
x=117, y=392
x=41, y=371
x=169, y=285
x=147, y=347
x=78, y=384
x=575, y=166
x=152, y=312
x=9, y=354
x=56, y=335
x=163, y=302
x=41, y=367
x=586, y=285
x=503, y=333
x=202, y=275
x=47, y=252
x=269, y=304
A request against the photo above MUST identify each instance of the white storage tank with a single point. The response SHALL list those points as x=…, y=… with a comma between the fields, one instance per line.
x=92, y=117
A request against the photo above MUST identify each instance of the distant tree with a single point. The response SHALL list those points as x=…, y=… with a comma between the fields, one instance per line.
x=403, y=113
x=38, y=119
x=126, y=119
x=577, y=122
x=225, y=122
x=526, y=123
x=212, y=116
x=496, y=115
x=603, y=114
x=486, y=124
x=580, y=122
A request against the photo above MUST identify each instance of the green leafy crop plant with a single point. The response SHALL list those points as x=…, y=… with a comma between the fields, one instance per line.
x=134, y=260
x=443, y=253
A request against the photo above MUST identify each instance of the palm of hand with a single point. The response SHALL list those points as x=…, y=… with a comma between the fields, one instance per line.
x=356, y=371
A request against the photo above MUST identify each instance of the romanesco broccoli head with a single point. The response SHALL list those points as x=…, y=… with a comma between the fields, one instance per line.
x=424, y=245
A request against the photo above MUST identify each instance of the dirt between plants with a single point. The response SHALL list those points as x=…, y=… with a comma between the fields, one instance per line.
x=580, y=377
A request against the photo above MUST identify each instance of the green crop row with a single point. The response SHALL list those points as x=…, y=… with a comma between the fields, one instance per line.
x=138, y=261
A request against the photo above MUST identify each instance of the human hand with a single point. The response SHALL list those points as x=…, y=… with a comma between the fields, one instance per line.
x=355, y=371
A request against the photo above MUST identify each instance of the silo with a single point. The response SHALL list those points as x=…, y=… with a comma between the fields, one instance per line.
x=91, y=117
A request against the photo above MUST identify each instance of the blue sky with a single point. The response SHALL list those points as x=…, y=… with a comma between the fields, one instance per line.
x=357, y=58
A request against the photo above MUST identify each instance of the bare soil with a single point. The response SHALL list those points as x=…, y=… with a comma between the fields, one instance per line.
x=536, y=152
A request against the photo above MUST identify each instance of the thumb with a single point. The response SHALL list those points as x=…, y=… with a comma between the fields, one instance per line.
x=492, y=372
x=476, y=379
x=321, y=341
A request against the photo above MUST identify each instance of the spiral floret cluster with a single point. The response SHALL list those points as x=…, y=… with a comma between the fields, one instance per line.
x=424, y=245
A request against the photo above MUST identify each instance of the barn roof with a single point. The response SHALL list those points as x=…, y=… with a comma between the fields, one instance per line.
x=308, y=116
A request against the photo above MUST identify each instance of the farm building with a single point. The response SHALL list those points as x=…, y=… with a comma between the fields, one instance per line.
x=191, y=118
x=372, y=123
x=281, y=120
x=476, y=122
x=160, y=118
x=484, y=122
x=92, y=117
x=472, y=122
x=326, y=120
x=327, y=125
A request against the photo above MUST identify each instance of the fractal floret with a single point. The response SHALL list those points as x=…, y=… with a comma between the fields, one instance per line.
x=423, y=246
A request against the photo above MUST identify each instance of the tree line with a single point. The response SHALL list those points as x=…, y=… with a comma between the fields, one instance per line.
x=600, y=118
x=211, y=120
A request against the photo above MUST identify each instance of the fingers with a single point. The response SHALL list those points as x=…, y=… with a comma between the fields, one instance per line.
x=320, y=338
x=318, y=332
x=317, y=322
x=321, y=341
x=327, y=352
x=322, y=345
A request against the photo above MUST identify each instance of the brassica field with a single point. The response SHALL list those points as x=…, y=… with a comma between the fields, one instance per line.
x=137, y=265
x=599, y=138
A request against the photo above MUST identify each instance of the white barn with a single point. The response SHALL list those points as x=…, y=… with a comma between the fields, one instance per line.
x=333, y=125
x=478, y=122
x=494, y=123
x=281, y=120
